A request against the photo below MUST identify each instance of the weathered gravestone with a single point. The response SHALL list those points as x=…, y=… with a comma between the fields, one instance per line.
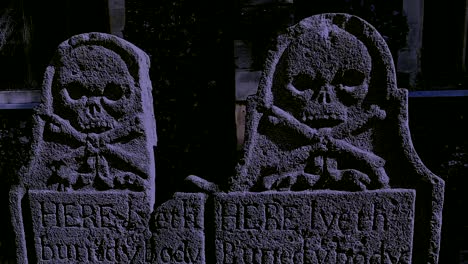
x=178, y=230
x=88, y=191
x=329, y=173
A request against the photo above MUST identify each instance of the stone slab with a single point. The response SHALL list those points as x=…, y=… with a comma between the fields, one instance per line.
x=178, y=233
x=315, y=227
x=328, y=115
x=89, y=227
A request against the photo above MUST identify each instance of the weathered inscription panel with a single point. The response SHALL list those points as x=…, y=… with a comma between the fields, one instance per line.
x=315, y=227
x=178, y=235
x=90, y=227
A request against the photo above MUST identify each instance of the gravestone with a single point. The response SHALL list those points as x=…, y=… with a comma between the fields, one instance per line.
x=88, y=191
x=178, y=230
x=329, y=173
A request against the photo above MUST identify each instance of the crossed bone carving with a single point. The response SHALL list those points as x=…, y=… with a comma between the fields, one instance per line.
x=321, y=171
x=94, y=152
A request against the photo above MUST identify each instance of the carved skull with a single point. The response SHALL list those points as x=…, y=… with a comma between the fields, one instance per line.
x=322, y=75
x=94, y=89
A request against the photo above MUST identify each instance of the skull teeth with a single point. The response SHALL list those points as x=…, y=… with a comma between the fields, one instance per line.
x=322, y=117
x=101, y=125
x=315, y=117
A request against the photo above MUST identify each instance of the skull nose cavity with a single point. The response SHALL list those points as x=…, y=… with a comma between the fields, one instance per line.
x=325, y=94
x=93, y=110
x=324, y=97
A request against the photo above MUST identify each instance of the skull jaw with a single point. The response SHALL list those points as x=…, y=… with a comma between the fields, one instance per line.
x=324, y=115
x=95, y=125
x=323, y=122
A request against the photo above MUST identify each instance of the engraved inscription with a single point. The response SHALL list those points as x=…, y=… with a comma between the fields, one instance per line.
x=79, y=215
x=182, y=252
x=178, y=230
x=315, y=227
x=183, y=213
x=106, y=227
x=261, y=216
x=305, y=253
x=102, y=250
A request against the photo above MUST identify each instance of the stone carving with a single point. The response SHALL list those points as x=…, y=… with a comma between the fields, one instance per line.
x=317, y=117
x=89, y=228
x=89, y=187
x=179, y=230
x=329, y=173
x=323, y=79
x=314, y=227
x=93, y=120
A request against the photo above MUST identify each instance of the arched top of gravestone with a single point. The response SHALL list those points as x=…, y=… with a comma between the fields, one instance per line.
x=332, y=42
x=326, y=111
x=95, y=127
x=99, y=59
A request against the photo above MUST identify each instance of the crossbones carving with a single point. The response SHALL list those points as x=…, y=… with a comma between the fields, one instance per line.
x=325, y=147
x=319, y=90
x=317, y=87
x=94, y=123
x=93, y=154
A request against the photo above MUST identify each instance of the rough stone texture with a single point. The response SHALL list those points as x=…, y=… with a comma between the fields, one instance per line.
x=95, y=128
x=328, y=115
x=315, y=227
x=93, y=139
x=91, y=227
x=178, y=230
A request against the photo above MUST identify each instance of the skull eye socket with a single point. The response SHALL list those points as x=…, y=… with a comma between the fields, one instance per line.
x=75, y=90
x=304, y=82
x=113, y=92
x=351, y=77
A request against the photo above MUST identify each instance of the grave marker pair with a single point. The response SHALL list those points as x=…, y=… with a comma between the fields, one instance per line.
x=329, y=173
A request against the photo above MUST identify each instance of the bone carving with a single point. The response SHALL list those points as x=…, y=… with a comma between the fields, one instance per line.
x=318, y=91
x=93, y=117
